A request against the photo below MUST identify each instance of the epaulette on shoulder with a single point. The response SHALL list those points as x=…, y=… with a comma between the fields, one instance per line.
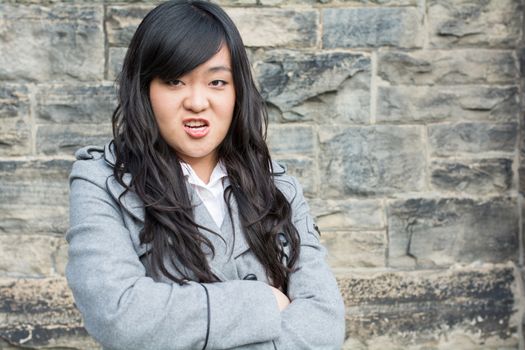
x=278, y=168
x=89, y=152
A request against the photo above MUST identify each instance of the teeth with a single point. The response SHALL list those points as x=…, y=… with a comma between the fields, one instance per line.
x=195, y=124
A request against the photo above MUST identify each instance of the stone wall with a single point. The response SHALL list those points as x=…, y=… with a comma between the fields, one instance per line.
x=402, y=119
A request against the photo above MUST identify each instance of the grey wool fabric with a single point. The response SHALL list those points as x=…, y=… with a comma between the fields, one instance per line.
x=124, y=307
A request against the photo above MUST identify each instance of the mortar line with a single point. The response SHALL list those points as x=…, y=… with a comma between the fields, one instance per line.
x=32, y=119
x=106, y=41
x=373, y=88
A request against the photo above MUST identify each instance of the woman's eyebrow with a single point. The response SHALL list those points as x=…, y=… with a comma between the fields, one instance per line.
x=219, y=68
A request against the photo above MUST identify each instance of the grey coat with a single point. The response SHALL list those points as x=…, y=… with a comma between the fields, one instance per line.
x=123, y=307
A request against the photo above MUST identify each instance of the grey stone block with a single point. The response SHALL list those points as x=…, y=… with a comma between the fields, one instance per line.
x=258, y=26
x=33, y=179
x=27, y=255
x=448, y=67
x=489, y=23
x=304, y=169
x=116, y=59
x=476, y=177
x=371, y=2
x=14, y=101
x=441, y=232
x=40, y=313
x=287, y=2
x=122, y=21
x=286, y=140
x=62, y=42
x=355, y=249
x=272, y=27
x=78, y=104
x=236, y=2
x=408, y=104
x=372, y=27
x=57, y=139
x=467, y=308
x=35, y=218
x=371, y=160
x=471, y=138
x=34, y=196
x=15, y=137
x=331, y=87
x=348, y=215
x=15, y=129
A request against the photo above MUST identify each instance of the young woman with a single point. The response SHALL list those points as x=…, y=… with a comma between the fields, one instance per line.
x=184, y=234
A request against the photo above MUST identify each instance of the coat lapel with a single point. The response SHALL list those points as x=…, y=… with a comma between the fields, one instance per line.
x=221, y=238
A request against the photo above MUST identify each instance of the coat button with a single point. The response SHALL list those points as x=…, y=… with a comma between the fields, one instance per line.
x=250, y=277
x=283, y=239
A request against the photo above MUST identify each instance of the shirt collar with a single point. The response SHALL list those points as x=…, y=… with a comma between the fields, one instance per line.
x=218, y=173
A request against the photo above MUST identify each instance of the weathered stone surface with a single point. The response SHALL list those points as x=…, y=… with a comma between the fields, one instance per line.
x=304, y=169
x=332, y=86
x=236, y=2
x=14, y=101
x=355, y=249
x=456, y=338
x=471, y=307
x=23, y=219
x=370, y=160
x=60, y=258
x=473, y=138
x=62, y=42
x=122, y=21
x=76, y=104
x=270, y=27
x=287, y=140
x=116, y=58
x=14, y=120
x=34, y=182
x=489, y=23
x=56, y=139
x=477, y=177
x=34, y=196
x=370, y=2
x=27, y=255
x=15, y=137
x=407, y=104
x=258, y=26
x=348, y=215
x=448, y=67
x=441, y=232
x=372, y=27
x=40, y=314
x=287, y=2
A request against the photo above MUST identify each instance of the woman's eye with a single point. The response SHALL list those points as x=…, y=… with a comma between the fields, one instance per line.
x=218, y=83
x=174, y=82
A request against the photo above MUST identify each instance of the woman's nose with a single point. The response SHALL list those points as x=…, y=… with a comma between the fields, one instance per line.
x=196, y=100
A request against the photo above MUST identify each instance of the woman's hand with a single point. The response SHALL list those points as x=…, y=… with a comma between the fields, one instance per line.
x=282, y=299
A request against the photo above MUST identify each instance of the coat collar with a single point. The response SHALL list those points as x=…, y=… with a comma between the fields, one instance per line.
x=133, y=205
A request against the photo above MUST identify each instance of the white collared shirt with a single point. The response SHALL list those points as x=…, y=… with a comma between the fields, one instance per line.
x=212, y=193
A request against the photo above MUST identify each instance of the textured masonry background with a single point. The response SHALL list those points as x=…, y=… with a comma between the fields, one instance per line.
x=403, y=120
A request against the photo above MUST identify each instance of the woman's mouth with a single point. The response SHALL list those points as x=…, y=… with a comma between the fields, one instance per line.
x=196, y=128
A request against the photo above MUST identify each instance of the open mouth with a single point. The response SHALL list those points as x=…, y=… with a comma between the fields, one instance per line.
x=196, y=124
x=196, y=128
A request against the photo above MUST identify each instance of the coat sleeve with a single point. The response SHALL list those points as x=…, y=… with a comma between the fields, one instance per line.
x=315, y=318
x=122, y=308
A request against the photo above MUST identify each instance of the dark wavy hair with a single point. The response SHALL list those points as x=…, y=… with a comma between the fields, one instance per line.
x=172, y=40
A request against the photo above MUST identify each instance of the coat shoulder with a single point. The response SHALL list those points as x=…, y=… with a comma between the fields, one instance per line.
x=91, y=165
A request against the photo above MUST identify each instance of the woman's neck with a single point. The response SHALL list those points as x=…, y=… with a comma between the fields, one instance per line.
x=203, y=167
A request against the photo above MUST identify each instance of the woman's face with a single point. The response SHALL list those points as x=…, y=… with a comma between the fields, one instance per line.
x=194, y=112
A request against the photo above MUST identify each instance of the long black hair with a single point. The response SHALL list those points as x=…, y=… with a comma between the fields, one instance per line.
x=172, y=40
